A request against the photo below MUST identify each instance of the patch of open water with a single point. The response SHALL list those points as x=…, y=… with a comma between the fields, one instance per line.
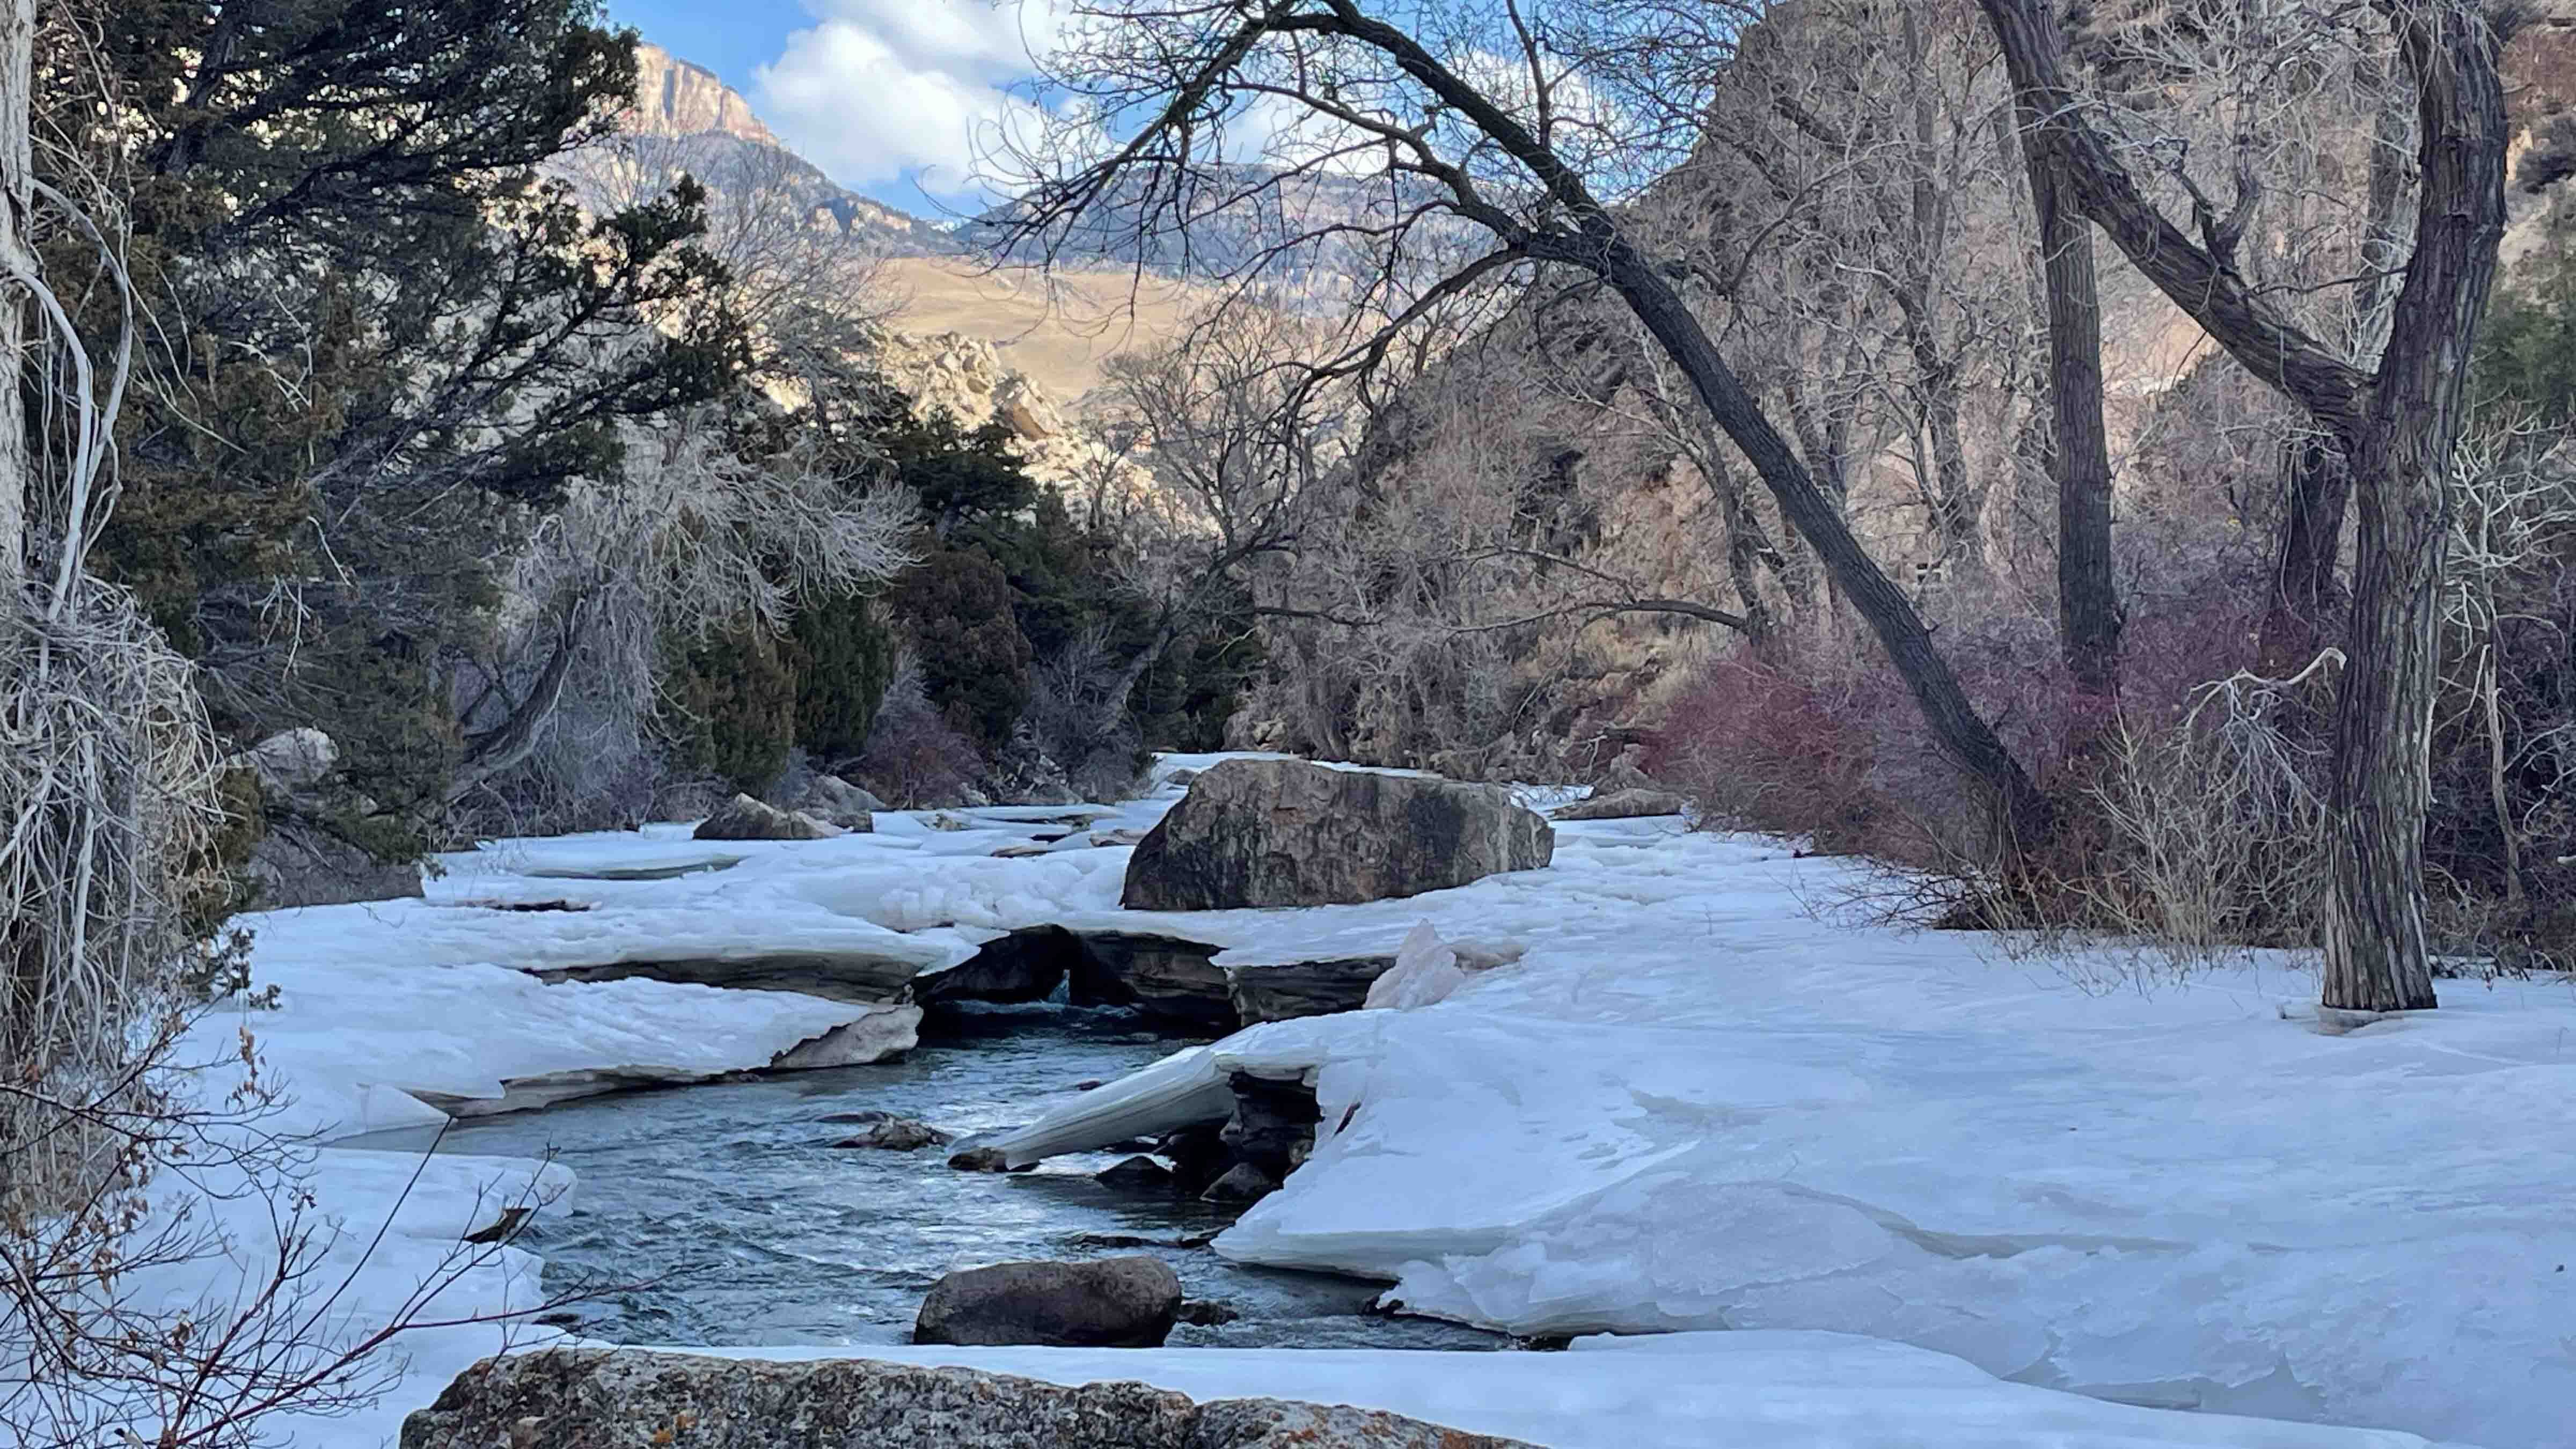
x=745, y=1226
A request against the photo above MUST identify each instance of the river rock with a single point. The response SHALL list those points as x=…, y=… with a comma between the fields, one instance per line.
x=1242, y=1182
x=892, y=1133
x=1136, y=1174
x=584, y=1398
x=1290, y=833
x=1273, y=1126
x=1286, y=990
x=1126, y=1302
x=986, y=1159
x=1207, y=1313
x=1630, y=804
x=743, y=818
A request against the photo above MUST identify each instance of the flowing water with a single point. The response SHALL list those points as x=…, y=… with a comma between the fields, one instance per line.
x=744, y=1225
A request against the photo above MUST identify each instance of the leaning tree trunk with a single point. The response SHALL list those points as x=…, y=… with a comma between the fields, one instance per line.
x=1963, y=734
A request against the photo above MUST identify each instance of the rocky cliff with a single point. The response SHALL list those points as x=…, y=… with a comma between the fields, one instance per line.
x=675, y=98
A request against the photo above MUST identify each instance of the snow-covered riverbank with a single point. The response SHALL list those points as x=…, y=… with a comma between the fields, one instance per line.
x=1690, y=1105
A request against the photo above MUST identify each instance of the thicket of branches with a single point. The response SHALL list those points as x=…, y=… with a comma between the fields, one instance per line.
x=1837, y=262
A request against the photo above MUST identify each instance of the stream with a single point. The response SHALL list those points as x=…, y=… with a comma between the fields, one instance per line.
x=743, y=1225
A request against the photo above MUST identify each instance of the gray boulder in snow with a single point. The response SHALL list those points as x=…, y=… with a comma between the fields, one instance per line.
x=743, y=818
x=588, y=1398
x=1106, y=1303
x=1289, y=833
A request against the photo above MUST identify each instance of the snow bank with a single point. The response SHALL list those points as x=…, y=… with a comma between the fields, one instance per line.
x=1675, y=1391
x=1692, y=1105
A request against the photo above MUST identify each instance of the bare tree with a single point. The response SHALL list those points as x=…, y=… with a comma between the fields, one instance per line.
x=1487, y=119
x=697, y=538
x=2397, y=425
x=1234, y=438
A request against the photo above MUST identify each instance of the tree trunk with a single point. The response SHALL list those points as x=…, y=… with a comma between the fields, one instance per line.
x=2375, y=951
x=2376, y=954
x=2079, y=458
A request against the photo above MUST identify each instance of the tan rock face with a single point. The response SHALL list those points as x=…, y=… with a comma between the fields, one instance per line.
x=969, y=377
x=675, y=98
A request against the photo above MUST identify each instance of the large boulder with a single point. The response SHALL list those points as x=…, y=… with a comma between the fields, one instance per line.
x=836, y=801
x=743, y=818
x=1289, y=833
x=1106, y=1303
x=587, y=1398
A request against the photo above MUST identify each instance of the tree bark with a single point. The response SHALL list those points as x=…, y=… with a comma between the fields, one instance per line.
x=2079, y=457
x=2298, y=618
x=17, y=96
x=2376, y=954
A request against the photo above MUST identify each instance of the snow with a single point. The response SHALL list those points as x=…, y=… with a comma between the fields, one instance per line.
x=1691, y=1105
x=1670, y=1391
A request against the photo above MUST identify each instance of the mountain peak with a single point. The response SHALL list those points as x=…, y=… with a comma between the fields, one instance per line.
x=675, y=98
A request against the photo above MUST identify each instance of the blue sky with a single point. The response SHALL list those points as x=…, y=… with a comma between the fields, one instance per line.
x=888, y=96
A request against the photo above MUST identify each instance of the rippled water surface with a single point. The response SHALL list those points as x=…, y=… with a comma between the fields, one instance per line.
x=748, y=1227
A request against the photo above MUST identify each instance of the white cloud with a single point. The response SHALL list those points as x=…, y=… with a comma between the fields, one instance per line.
x=878, y=90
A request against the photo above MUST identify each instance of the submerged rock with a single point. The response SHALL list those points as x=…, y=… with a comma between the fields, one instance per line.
x=1289, y=833
x=986, y=1159
x=893, y=1134
x=1242, y=1182
x=1128, y=1302
x=574, y=1398
x=1207, y=1313
x=743, y=818
x=1136, y=1174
